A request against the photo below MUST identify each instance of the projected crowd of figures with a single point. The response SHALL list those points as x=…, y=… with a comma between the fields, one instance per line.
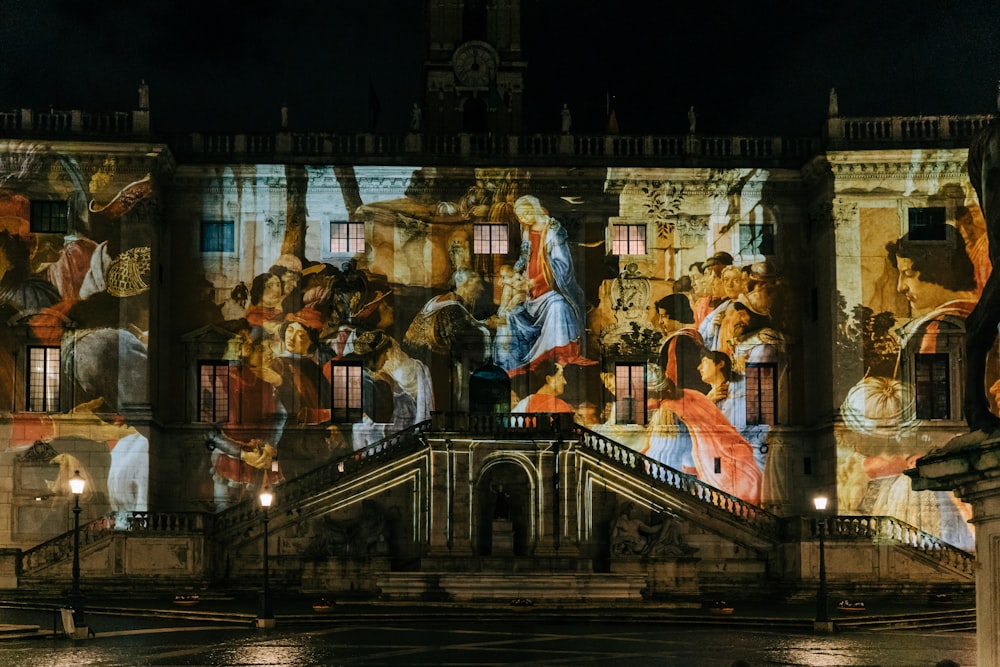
x=321, y=309
x=74, y=296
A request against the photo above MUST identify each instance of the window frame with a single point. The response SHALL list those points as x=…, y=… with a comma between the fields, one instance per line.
x=353, y=240
x=640, y=417
x=939, y=225
x=220, y=411
x=756, y=401
x=928, y=393
x=226, y=240
x=346, y=392
x=42, y=216
x=492, y=244
x=629, y=243
x=48, y=403
x=754, y=237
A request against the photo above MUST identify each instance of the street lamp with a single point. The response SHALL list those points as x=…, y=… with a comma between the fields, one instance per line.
x=76, y=485
x=822, y=623
x=265, y=619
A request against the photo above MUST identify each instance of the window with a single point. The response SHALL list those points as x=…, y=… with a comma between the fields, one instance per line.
x=347, y=237
x=213, y=391
x=630, y=394
x=345, y=381
x=628, y=239
x=931, y=384
x=761, y=393
x=49, y=217
x=757, y=239
x=43, y=379
x=218, y=236
x=489, y=239
x=927, y=224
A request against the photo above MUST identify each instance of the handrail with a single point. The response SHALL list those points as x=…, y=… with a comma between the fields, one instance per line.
x=324, y=476
x=61, y=546
x=899, y=532
x=659, y=474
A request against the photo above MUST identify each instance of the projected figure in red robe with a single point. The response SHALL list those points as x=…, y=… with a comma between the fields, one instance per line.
x=546, y=399
x=722, y=457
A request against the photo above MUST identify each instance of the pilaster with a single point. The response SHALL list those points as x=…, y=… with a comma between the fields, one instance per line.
x=971, y=467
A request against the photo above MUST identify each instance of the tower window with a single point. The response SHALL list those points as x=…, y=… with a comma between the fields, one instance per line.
x=347, y=237
x=927, y=224
x=49, y=217
x=213, y=391
x=490, y=239
x=630, y=393
x=931, y=384
x=43, y=379
x=218, y=236
x=761, y=393
x=628, y=239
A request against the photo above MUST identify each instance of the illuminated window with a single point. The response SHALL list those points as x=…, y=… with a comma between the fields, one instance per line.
x=927, y=224
x=931, y=384
x=628, y=239
x=213, y=391
x=757, y=239
x=489, y=239
x=49, y=217
x=630, y=393
x=345, y=381
x=43, y=379
x=761, y=393
x=218, y=236
x=347, y=237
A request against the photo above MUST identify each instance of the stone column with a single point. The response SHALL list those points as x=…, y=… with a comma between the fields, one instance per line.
x=972, y=469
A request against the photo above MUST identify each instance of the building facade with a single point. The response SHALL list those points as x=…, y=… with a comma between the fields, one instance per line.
x=191, y=318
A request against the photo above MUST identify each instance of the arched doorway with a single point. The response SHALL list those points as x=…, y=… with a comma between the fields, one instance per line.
x=504, y=492
x=489, y=390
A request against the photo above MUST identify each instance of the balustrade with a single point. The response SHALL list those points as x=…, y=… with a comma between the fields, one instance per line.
x=892, y=529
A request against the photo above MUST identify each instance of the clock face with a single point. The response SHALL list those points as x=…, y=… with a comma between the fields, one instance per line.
x=475, y=64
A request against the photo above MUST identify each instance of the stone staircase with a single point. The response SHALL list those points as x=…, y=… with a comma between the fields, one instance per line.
x=511, y=587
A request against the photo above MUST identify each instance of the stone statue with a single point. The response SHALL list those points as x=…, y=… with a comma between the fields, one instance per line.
x=416, y=118
x=981, y=325
x=567, y=119
x=632, y=537
x=833, y=110
x=284, y=116
x=692, y=120
x=501, y=506
x=143, y=96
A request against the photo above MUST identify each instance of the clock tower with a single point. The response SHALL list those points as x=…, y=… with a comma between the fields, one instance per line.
x=474, y=73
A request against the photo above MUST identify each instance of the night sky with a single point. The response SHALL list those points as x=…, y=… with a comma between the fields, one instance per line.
x=747, y=68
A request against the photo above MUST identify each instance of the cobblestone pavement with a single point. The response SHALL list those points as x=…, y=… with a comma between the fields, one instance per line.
x=132, y=640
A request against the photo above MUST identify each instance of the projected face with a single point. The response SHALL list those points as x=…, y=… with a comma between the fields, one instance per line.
x=923, y=296
x=296, y=338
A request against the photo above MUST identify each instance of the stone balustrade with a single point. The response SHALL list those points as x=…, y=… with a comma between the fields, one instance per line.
x=876, y=528
x=418, y=148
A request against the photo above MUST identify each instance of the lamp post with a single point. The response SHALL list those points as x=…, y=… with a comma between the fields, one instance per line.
x=265, y=619
x=76, y=486
x=822, y=622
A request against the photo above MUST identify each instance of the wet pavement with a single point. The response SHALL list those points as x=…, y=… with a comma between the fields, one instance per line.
x=218, y=632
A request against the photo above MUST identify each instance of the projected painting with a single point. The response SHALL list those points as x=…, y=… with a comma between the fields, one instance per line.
x=74, y=294
x=654, y=316
x=917, y=289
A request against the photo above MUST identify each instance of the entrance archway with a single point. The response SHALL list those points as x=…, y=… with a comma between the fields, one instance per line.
x=504, y=492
